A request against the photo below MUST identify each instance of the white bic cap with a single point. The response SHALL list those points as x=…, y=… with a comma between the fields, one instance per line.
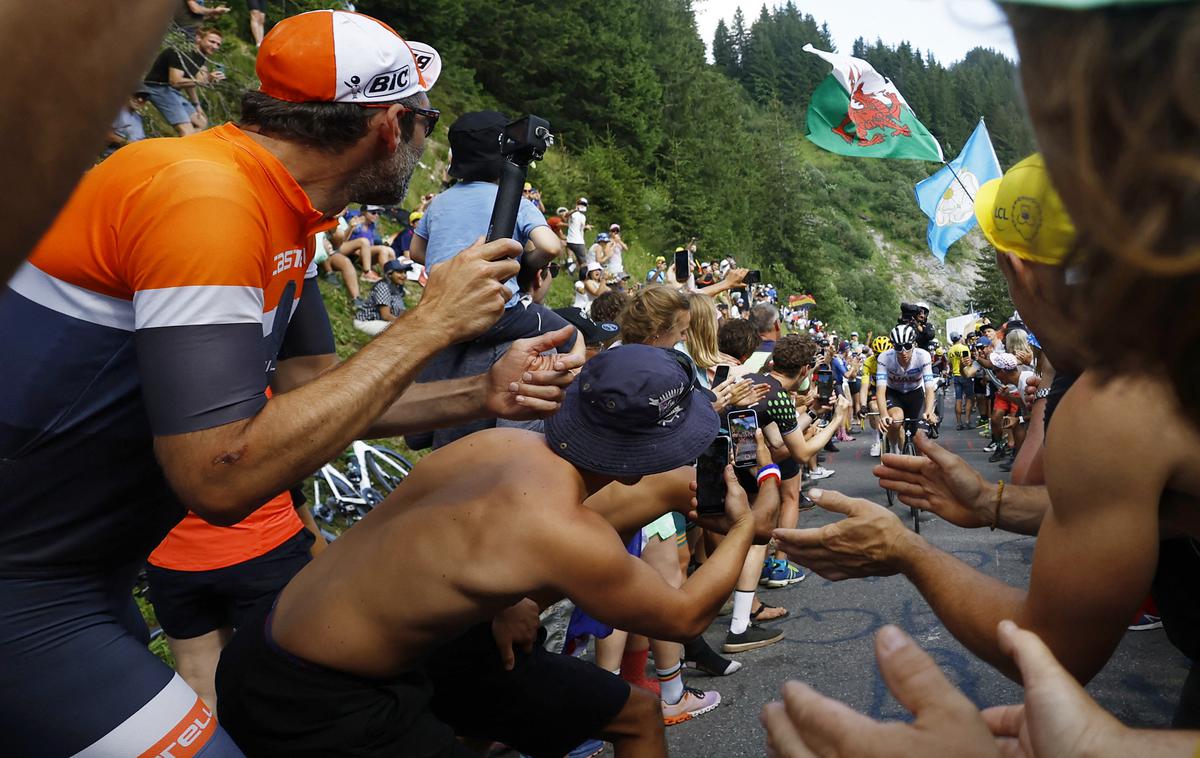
x=343, y=57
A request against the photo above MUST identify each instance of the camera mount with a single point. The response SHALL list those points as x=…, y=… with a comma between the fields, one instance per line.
x=522, y=142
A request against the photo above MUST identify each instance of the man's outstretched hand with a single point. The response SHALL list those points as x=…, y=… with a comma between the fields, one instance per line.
x=807, y=724
x=870, y=541
x=1058, y=719
x=937, y=481
x=524, y=384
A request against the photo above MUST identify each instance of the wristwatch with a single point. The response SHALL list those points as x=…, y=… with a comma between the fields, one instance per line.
x=1042, y=393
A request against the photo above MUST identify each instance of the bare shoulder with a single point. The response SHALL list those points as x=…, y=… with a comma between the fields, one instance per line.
x=531, y=469
x=1106, y=437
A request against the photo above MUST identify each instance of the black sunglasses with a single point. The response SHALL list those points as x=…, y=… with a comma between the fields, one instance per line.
x=553, y=268
x=904, y=347
x=430, y=115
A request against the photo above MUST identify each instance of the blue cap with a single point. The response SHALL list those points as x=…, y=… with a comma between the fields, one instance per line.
x=983, y=342
x=395, y=265
x=634, y=410
x=602, y=237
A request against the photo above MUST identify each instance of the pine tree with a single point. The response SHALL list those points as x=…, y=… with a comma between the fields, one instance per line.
x=989, y=296
x=723, y=51
x=740, y=37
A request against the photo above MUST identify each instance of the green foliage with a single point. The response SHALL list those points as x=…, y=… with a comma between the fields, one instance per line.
x=671, y=146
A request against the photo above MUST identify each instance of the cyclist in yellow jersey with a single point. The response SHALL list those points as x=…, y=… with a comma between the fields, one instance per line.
x=964, y=386
x=879, y=345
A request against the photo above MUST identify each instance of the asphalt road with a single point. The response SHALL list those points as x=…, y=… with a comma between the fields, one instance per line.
x=828, y=641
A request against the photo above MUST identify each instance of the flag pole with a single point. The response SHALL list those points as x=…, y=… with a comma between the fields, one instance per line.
x=956, y=176
x=960, y=181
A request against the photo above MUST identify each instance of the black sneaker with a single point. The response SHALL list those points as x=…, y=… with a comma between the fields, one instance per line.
x=999, y=454
x=832, y=447
x=698, y=655
x=754, y=637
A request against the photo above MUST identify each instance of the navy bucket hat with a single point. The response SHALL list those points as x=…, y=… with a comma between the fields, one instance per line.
x=634, y=410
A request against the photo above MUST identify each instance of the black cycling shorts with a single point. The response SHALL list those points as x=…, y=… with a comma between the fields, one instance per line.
x=191, y=603
x=75, y=674
x=545, y=707
x=257, y=5
x=912, y=402
x=275, y=704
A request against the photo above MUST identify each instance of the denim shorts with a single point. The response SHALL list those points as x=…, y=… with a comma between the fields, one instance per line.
x=964, y=388
x=174, y=107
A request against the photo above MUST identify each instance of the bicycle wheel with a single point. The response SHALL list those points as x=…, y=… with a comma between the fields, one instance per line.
x=892, y=447
x=911, y=449
x=387, y=468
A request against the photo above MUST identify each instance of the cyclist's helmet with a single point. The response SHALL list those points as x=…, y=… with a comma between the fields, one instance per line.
x=881, y=344
x=902, y=334
x=923, y=307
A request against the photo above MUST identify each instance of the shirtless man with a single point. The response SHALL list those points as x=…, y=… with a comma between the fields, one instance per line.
x=337, y=665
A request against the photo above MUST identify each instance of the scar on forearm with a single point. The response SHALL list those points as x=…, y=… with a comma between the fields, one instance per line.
x=231, y=457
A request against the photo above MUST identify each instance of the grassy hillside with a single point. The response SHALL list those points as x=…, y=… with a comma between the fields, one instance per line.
x=846, y=230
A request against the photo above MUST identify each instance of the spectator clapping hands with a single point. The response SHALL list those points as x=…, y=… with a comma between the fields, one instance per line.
x=524, y=383
x=1057, y=719
x=741, y=393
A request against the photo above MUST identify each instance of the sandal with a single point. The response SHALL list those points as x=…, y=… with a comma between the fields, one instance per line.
x=763, y=610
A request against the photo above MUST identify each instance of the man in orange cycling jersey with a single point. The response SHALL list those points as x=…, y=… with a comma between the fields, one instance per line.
x=139, y=339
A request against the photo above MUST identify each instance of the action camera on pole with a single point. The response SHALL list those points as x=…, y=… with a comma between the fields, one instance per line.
x=522, y=142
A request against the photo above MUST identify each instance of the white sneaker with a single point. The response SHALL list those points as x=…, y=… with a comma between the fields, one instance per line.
x=820, y=473
x=875, y=450
x=990, y=448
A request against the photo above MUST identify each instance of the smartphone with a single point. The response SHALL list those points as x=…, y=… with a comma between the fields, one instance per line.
x=753, y=276
x=742, y=426
x=825, y=383
x=710, y=478
x=721, y=375
x=683, y=266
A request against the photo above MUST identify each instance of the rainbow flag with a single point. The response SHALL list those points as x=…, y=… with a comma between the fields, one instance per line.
x=801, y=301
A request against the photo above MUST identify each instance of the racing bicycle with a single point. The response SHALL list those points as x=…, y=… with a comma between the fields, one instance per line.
x=371, y=472
x=906, y=447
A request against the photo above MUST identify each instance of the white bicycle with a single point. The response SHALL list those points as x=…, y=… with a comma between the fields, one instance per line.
x=372, y=471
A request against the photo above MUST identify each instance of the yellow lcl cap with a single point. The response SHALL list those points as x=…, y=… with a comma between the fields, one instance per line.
x=1022, y=214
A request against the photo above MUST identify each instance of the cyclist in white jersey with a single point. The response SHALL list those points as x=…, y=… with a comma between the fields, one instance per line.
x=904, y=382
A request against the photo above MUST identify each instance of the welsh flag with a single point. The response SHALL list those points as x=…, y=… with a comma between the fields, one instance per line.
x=858, y=112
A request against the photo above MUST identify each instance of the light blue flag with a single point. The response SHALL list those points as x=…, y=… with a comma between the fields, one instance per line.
x=948, y=197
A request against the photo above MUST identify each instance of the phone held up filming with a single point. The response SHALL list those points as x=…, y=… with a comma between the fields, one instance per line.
x=742, y=427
